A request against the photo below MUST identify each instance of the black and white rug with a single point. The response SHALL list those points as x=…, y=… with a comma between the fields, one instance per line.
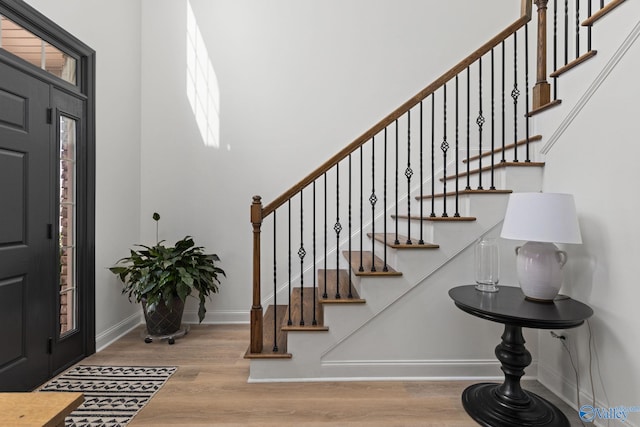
x=113, y=395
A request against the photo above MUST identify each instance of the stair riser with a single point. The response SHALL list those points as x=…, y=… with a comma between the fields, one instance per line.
x=512, y=178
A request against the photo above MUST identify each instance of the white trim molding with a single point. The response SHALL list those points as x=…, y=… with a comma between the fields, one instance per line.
x=217, y=317
x=591, y=90
x=104, y=339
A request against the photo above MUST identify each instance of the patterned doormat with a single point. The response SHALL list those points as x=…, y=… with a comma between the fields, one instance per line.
x=113, y=395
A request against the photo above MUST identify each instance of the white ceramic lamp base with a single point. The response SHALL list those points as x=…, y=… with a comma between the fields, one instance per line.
x=539, y=268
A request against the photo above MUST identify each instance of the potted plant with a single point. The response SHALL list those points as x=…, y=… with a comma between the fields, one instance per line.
x=162, y=277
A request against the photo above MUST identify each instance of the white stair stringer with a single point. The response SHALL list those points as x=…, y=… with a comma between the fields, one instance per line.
x=398, y=332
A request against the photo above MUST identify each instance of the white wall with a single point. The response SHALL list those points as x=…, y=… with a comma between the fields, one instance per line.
x=595, y=159
x=115, y=36
x=298, y=81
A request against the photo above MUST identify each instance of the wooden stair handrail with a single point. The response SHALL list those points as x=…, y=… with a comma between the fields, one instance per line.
x=525, y=17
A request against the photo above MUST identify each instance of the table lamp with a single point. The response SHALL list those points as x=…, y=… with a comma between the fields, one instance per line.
x=542, y=219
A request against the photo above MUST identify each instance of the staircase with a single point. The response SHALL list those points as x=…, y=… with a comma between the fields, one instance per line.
x=361, y=253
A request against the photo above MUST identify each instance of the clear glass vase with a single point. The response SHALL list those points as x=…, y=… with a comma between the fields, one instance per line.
x=487, y=264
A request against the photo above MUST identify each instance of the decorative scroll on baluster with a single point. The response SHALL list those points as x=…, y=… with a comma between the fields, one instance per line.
x=480, y=122
x=515, y=93
x=444, y=146
x=337, y=227
x=301, y=254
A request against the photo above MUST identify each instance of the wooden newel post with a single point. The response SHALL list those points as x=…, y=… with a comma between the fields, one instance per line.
x=256, y=307
x=542, y=89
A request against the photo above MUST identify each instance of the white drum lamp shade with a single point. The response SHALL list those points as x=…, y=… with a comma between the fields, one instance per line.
x=541, y=219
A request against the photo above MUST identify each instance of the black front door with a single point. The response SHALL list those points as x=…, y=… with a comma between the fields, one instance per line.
x=27, y=272
x=42, y=300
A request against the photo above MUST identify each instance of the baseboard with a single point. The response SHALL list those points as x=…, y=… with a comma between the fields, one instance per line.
x=565, y=389
x=107, y=337
x=392, y=370
x=217, y=317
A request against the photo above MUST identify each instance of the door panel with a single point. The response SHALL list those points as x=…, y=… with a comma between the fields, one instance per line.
x=26, y=264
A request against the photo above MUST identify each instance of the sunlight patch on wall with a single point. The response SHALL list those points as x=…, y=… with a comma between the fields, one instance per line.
x=202, y=84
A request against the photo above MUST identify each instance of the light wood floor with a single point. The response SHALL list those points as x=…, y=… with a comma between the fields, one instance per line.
x=210, y=389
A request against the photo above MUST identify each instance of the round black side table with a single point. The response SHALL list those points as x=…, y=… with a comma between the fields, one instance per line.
x=507, y=404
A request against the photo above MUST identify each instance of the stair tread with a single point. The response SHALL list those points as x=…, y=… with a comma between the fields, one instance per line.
x=391, y=238
x=464, y=192
x=369, y=260
x=496, y=166
x=268, y=336
x=582, y=58
x=533, y=138
x=343, y=290
x=302, y=305
x=544, y=107
x=437, y=218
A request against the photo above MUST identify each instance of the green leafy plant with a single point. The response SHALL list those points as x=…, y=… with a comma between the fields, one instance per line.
x=161, y=273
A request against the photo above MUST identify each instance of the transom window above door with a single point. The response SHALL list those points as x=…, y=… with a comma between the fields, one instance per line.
x=33, y=49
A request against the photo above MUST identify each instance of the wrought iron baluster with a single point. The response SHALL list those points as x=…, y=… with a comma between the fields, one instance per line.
x=373, y=199
x=515, y=93
x=555, y=48
x=289, y=322
x=566, y=32
x=526, y=91
x=468, y=187
x=457, y=212
x=444, y=146
x=275, y=287
x=301, y=254
x=589, y=27
x=433, y=155
x=480, y=122
x=408, y=173
x=421, y=241
x=397, y=241
x=493, y=124
x=361, y=267
x=385, y=268
x=577, y=29
x=338, y=228
x=502, y=98
x=313, y=270
x=324, y=293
